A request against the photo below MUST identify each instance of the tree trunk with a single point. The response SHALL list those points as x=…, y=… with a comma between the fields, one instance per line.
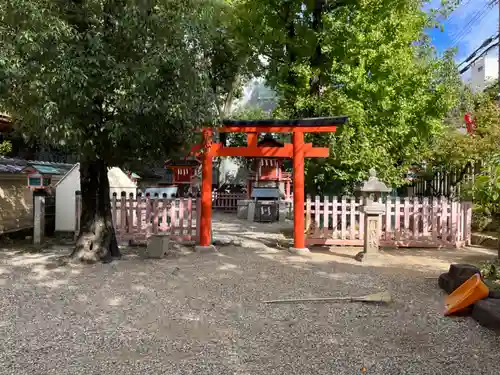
x=316, y=60
x=97, y=238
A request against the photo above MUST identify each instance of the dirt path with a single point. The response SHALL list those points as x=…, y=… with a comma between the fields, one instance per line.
x=202, y=314
x=228, y=228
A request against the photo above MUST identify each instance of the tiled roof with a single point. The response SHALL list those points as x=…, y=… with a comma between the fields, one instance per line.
x=11, y=165
x=8, y=168
x=47, y=169
x=271, y=193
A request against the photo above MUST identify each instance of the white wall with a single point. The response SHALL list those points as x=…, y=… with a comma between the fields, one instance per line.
x=119, y=181
x=478, y=74
x=70, y=184
x=491, y=69
x=483, y=72
x=65, y=201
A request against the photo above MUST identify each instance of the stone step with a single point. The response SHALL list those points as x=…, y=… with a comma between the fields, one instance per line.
x=487, y=313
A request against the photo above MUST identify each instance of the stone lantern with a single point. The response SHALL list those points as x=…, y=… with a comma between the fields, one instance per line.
x=371, y=191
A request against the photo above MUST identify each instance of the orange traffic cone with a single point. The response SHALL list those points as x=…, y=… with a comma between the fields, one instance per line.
x=466, y=294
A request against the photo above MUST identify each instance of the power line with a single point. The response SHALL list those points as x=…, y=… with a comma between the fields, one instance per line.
x=484, y=44
x=473, y=18
x=457, y=35
x=476, y=17
x=453, y=14
x=477, y=58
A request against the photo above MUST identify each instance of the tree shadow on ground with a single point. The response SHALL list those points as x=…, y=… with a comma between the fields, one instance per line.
x=207, y=308
x=425, y=260
x=43, y=265
x=279, y=236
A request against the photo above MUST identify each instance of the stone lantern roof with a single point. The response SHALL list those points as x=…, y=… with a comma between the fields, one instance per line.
x=374, y=185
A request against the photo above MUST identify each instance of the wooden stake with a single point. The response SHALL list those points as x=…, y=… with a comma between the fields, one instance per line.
x=382, y=297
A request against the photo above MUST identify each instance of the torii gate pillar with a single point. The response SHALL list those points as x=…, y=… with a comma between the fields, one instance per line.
x=299, y=244
x=205, y=216
x=297, y=151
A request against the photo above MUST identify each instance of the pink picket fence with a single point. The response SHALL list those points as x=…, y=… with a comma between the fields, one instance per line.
x=226, y=201
x=139, y=218
x=407, y=222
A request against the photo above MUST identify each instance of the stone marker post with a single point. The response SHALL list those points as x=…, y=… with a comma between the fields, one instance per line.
x=78, y=212
x=372, y=190
x=282, y=212
x=38, y=216
x=251, y=210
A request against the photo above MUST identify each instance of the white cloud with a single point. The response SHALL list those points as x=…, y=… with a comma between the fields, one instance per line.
x=432, y=4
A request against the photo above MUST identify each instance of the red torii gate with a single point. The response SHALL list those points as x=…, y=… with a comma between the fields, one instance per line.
x=297, y=150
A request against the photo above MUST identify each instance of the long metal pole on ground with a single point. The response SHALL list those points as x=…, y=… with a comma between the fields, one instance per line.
x=298, y=190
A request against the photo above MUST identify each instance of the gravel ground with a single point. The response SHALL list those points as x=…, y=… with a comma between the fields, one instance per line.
x=202, y=314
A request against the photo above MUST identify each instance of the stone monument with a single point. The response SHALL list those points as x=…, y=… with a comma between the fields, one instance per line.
x=371, y=191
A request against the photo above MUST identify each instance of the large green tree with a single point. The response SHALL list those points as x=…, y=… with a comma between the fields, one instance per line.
x=368, y=59
x=114, y=80
x=454, y=154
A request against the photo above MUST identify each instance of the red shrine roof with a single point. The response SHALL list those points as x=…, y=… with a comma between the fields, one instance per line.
x=182, y=163
x=269, y=140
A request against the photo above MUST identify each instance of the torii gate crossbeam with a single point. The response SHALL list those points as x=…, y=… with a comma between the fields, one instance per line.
x=297, y=151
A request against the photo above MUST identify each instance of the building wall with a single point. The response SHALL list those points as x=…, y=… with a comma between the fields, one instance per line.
x=491, y=70
x=119, y=182
x=483, y=72
x=65, y=201
x=70, y=184
x=16, y=203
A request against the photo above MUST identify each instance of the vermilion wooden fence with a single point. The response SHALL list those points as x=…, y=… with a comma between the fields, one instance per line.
x=226, y=201
x=408, y=222
x=138, y=218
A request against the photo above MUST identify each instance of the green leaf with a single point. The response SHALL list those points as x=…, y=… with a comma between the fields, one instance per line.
x=368, y=60
x=115, y=80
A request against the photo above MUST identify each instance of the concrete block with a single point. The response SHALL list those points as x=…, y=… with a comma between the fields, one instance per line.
x=297, y=251
x=283, y=211
x=205, y=249
x=251, y=211
x=449, y=284
x=487, y=313
x=158, y=246
x=242, y=212
x=463, y=271
x=375, y=257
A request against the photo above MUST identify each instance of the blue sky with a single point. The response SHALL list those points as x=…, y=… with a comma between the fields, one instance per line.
x=466, y=28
